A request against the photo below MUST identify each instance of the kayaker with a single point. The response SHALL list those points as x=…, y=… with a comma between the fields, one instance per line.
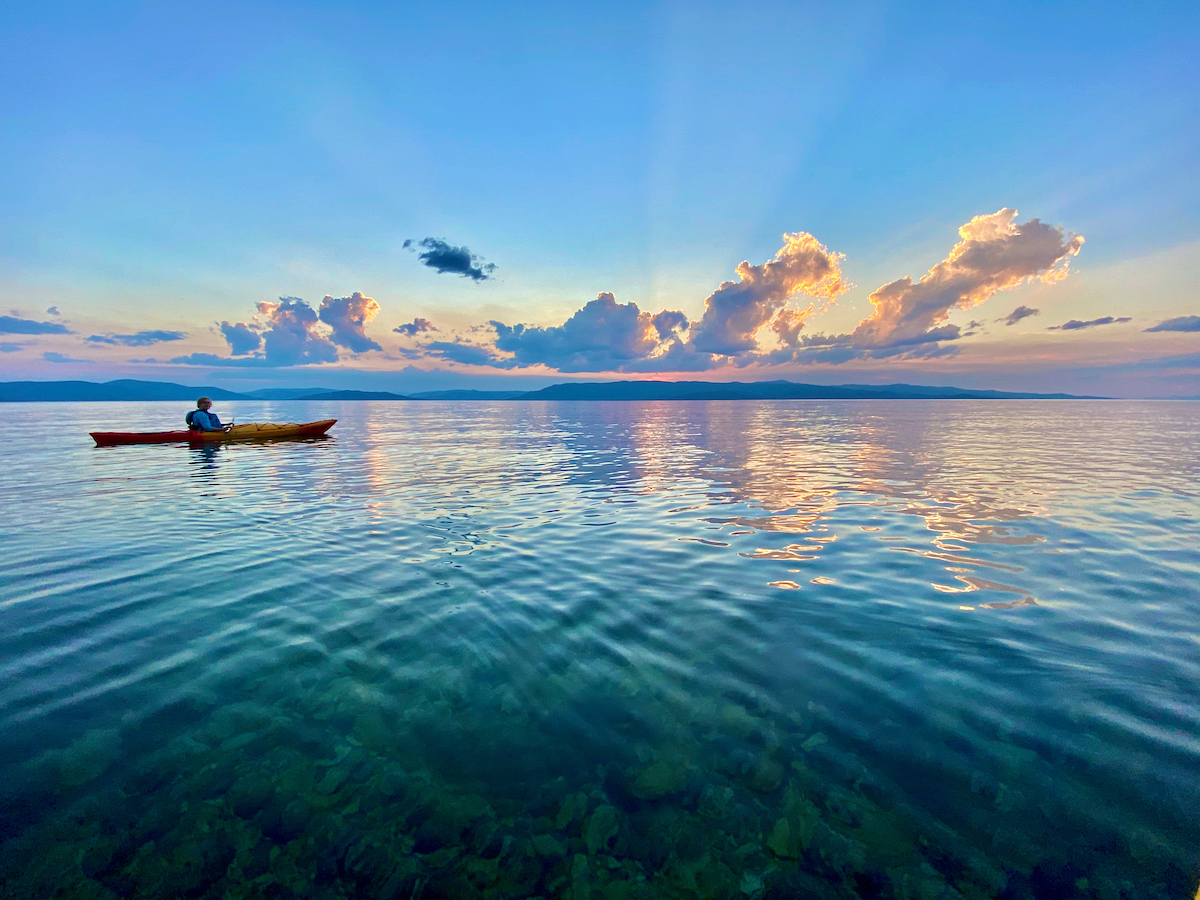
x=200, y=419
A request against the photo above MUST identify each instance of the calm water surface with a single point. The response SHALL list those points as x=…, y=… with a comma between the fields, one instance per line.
x=604, y=651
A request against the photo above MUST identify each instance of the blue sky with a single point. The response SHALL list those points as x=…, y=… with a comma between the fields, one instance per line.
x=164, y=170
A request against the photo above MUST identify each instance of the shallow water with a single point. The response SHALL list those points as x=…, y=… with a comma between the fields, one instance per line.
x=610, y=650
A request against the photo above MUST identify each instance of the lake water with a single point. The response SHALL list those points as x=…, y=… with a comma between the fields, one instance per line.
x=604, y=651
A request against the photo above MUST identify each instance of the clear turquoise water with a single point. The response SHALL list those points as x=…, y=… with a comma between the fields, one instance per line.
x=735, y=650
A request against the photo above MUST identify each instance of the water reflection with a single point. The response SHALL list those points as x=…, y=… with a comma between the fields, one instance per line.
x=203, y=460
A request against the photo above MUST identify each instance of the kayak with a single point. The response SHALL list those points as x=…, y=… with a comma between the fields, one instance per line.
x=251, y=431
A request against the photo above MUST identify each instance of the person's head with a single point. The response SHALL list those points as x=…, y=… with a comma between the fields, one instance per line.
x=203, y=403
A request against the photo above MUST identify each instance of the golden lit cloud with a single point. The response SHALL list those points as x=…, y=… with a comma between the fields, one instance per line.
x=996, y=253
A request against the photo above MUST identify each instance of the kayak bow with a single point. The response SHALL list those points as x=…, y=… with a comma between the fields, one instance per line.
x=252, y=431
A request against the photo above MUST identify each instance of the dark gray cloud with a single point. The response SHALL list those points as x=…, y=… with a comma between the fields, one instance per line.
x=1076, y=324
x=52, y=310
x=467, y=353
x=668, y=322
x=1021, y=312
x=242, y=338
x=54, y=357
x=17, y=325
x=348, y=316
x=415, y=327
x=140, y=339
x=1180, y=323
x=444, y=257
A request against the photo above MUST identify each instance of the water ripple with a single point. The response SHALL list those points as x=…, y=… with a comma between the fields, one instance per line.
x=650, y=649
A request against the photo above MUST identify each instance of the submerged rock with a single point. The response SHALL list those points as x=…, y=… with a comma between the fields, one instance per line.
x=573, y=809
x=780, y=841
x=549, y=847
x=766, y=776
x=601, y=828
x=658, y=780
x=581, y=888
x=88, y=757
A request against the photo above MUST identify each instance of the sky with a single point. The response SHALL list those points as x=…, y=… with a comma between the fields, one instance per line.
x=421, y=196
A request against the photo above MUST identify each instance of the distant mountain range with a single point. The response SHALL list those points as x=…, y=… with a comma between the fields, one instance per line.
x=126, y=390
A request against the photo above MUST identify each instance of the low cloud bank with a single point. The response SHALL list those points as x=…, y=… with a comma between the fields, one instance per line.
x=761, y=317
x=1076, y=324
x=17, y=325
x=1180, y=323
x=140, y=339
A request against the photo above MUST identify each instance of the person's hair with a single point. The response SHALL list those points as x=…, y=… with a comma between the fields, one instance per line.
x=202, y=401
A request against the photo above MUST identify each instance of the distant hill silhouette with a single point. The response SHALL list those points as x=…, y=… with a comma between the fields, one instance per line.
x=127, y=390
x=769, y=390
x=354, y=395
x=468, y=395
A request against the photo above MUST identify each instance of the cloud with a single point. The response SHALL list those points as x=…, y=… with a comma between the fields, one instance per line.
x=211, y=359
x=995, y=254
x=606, y=335
x=10, y=347
x=52, y=311
x=141, y=339
x=415, y=327
x=289, y=337
x=788, y=323
x=1076, y=324
x=1180, y=323
x=51, y=356
x=1021, y=312
x=909, y=321
x=348, y=316
x=602, y=336
x=444, y=257
x=17, y=325
x=668, y=322
x=460, y=351
x=736, y=310
x=1185, y=361
x=242, y=338
x=289, y=334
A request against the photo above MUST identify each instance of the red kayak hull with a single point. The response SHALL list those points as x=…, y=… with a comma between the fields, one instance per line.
x=258, y=431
